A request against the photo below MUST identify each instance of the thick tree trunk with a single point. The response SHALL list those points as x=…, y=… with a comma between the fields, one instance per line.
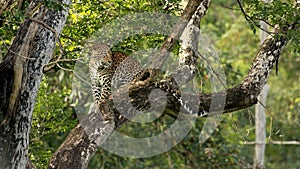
x=260, y=129
x=260, y=115
x=83, y=141
x=20, y=77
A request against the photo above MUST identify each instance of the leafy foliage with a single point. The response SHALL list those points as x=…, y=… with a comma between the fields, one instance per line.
x=52, y=119
x=275, y=13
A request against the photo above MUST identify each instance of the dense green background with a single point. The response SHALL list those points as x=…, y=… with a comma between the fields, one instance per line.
x=236, y=41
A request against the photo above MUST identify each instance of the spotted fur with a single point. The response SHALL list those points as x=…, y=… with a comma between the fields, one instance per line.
x=113, y=69
x=110, y=69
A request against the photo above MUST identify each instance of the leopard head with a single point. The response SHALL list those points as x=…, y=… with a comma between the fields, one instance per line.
x=101, y=56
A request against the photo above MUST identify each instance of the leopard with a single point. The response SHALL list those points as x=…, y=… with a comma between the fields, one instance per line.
x=110, y=69
x=113, y=69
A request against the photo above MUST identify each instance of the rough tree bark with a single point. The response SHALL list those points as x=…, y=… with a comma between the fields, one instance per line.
x=20, y=77
x=188, y=52
x=169, y=43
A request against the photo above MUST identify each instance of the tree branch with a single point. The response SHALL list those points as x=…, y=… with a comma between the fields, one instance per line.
x=239, y=97
x=251, y=19
x=169, y=43
x=273, y=142
x=188, y=53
